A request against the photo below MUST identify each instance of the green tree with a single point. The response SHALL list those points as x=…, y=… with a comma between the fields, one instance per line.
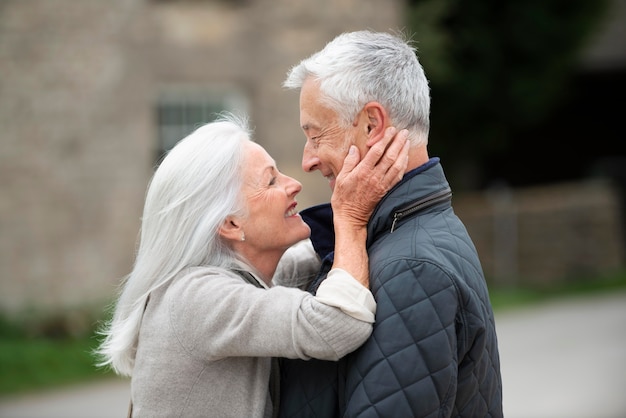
x=495, y=68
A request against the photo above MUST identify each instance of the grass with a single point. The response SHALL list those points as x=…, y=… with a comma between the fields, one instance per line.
x=510, y=298
x=34, y=363
x=34, y=358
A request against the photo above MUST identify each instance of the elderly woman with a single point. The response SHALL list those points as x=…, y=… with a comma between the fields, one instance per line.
x=198, y=320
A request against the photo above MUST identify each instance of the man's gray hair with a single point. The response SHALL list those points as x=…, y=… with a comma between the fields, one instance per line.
x=359, y=67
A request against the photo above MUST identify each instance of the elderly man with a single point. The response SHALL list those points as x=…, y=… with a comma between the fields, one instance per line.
x=434, y=349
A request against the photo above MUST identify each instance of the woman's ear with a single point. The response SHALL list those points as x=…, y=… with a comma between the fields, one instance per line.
x=377, y=121
x=231, y=229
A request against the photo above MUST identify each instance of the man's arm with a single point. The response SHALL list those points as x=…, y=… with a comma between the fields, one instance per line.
x=408, y=366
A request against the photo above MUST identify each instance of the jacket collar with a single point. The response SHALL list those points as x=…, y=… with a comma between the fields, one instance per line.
x=412, y=194
x=415, y=193
x=320, y=220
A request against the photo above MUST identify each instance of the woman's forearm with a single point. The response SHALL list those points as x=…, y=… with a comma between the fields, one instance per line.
x=350, y=252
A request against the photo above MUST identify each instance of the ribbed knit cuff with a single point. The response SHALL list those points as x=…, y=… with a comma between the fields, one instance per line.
x=343, y=291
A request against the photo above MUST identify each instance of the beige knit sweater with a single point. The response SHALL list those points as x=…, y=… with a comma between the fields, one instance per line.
x=206, y=341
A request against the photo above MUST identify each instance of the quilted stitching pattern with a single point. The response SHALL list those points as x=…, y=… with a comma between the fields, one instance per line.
x=434, y=343
x=309, y=389
x=434, y=350
x=409, y=331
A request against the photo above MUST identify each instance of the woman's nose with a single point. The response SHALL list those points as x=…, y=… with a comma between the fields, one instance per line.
x=293, y=186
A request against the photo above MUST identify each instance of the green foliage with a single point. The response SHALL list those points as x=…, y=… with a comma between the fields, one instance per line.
x=40, y=351
x=33, y=363
x=496, y=68
x=508, y=298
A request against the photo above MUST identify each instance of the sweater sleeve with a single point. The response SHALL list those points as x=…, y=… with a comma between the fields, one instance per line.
x=343, y=291
x=298, y=266
x=215, y=314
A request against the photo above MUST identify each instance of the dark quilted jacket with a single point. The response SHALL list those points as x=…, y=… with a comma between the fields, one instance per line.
x=433, y=351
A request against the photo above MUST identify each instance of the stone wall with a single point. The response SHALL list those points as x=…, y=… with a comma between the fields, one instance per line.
x=75, y=151
x=78, y=88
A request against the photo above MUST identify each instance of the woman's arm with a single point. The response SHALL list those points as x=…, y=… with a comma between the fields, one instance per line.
x=358, y=189
x=298, y=266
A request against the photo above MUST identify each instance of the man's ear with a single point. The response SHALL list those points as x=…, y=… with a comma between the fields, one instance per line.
x=377, y=121
x=231, y=229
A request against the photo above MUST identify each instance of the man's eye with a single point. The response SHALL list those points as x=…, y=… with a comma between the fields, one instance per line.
x=273, y=181
x=314, y=141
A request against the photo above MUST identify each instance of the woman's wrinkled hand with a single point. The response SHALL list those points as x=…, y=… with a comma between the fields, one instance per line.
x=362, y=183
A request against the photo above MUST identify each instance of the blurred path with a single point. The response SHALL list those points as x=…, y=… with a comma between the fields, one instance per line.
x=101, y=399
x=565, y=358
x=560, y=359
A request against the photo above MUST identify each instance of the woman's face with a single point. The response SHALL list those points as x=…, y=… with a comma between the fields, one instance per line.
x=272, y=224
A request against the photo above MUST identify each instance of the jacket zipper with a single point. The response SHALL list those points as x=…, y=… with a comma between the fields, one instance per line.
x=425, y=202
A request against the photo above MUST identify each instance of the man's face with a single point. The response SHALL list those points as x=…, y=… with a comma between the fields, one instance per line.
x=327, y=141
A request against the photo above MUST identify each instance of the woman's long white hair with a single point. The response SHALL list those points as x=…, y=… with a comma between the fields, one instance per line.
x=195, y=188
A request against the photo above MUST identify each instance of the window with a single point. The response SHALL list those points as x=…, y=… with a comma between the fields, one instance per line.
x=180, y=110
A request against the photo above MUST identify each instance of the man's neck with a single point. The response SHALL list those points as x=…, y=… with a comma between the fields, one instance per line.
x=418, y=156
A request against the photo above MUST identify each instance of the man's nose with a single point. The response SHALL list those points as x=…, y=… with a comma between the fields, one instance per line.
x=310, y=162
